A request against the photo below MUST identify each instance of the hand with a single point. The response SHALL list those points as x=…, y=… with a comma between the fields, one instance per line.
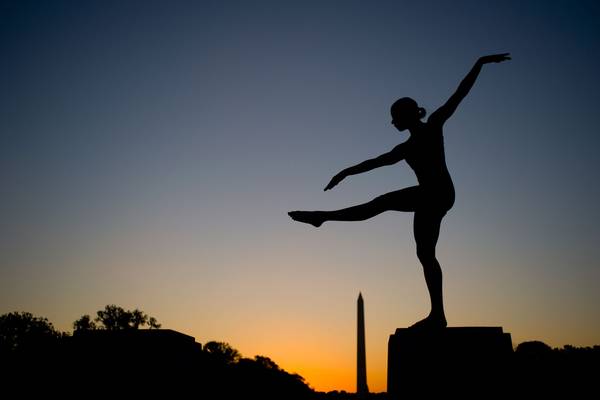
x=494, y=58
x=335, y=180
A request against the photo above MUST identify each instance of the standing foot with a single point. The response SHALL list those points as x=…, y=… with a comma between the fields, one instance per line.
x=431, y=323
x=315, y=218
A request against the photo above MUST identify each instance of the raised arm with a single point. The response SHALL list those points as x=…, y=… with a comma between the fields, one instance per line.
x=389, y=158
x=444, y=112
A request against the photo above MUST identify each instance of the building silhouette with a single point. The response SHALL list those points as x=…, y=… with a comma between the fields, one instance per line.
x=361, y=359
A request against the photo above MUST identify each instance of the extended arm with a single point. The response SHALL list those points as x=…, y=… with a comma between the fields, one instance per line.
x=444, y=112
x=389, y=158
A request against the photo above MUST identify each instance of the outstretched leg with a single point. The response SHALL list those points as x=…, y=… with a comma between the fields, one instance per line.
x=427, y=230
x=400, y=200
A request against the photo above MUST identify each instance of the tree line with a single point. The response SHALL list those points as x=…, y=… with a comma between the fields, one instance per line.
x=33, y=350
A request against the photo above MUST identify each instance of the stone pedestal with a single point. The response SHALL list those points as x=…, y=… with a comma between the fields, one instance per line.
x=467, y=360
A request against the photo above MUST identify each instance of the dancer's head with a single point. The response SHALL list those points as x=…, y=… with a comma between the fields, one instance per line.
x=406, y=113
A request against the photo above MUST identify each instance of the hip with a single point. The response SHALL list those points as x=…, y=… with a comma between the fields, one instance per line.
x=439, y=198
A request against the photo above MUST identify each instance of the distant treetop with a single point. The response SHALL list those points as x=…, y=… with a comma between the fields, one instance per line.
x=18, y=330
x=116, y=318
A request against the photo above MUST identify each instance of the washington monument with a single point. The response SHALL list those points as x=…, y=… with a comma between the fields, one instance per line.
x=361, y=360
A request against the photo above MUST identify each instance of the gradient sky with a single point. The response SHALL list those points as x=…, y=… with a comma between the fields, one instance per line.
x=149, y=153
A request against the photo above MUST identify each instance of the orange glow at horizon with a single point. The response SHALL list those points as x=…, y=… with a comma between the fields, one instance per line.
x=303, y=316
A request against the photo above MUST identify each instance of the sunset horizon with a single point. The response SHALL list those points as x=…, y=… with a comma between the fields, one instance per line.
x=312, y=366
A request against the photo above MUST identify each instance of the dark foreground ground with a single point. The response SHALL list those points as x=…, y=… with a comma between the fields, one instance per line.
x=141, y=363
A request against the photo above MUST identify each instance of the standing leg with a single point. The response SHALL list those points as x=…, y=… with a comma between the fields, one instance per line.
x=427, y=230
x=399, y=200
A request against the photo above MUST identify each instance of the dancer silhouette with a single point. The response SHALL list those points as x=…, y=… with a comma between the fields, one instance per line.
x=430, y=200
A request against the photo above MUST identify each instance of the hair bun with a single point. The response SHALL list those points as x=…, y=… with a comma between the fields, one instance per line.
x=421, y=112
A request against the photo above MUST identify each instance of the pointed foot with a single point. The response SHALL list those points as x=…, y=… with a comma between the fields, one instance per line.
x=308, y=217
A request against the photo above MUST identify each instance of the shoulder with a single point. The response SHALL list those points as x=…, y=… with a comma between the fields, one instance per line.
x=399, y=152
x=434, y=127
x=436, y=119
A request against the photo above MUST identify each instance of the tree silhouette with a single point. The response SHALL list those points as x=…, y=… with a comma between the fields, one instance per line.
x=153, y=323
x=534, y=349
x=84, y=323
x=20, y=331
x=266, y=362
x=222, y=352
x=114, y=318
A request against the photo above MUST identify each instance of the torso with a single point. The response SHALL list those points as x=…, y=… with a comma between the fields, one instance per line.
x=425, y=155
